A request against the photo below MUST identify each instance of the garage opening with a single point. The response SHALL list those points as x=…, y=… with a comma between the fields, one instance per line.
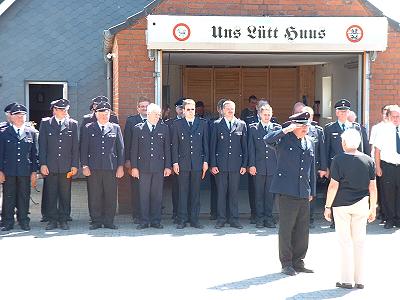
x=316, y=79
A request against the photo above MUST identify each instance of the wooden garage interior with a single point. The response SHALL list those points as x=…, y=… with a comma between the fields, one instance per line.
x=282, y=79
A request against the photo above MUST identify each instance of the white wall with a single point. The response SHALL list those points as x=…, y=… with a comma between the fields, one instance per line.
x=173, y=78
x=344, y=84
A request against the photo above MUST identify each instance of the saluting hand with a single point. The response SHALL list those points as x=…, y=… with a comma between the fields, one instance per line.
x=290, y=128
x=120, y=172
x=44, y=170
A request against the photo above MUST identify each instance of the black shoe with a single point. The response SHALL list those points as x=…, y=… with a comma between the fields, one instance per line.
x=259, y=224
x=359, y=286
x=196, y=225
x=236, y=225
x=311, y=225
x=269, y=224
x=69, y=219
x=44, y=220
x=136, y=221
x=158, y=226
x=7, y=228
x=64, y=226
x=25, y=227
x=94, y=226
x=332, y=226
x=181, y=225
x=142, y=226
x=51, y=225
x=213, y=217
x=288, y=271
x=219, y=225
x=344, y=285
x=388, y=225
x=303, y=270
x=252, y=219
x=110, y=226
x=397, y=224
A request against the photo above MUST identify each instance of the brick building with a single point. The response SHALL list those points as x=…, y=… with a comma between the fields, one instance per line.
x=173, y=48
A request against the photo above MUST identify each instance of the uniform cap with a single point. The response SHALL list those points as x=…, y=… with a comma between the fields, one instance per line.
x=97, y=100
x=103, y=106
x=199, y=104
x=8, y=107
x=60, y=103
x=18, y=109
x=343, y=104
x=179, y=102
x=300, y=118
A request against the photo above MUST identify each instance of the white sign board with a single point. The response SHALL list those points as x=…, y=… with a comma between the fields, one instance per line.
x=272, y=34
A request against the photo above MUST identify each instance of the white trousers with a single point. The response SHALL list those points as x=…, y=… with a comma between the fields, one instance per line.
x=351, y=228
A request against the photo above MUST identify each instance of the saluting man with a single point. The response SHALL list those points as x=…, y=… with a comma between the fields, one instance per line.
x=262, y=165
x=294, y=183
x=59, y=161
x=18, y=167
x=102, y=159
x=228, y=159
x=190, y=161
x=151, y=162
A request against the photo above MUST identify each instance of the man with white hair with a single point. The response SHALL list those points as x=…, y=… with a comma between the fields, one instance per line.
x=151, y=162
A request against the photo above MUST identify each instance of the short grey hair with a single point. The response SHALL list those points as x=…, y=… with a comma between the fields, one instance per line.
x=153, y=108
x=352, y=138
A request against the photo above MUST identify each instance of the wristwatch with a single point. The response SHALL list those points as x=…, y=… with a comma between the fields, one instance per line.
x=328, y=207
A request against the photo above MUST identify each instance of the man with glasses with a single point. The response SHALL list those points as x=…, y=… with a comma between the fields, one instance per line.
x=190, y=162
x=59, y=161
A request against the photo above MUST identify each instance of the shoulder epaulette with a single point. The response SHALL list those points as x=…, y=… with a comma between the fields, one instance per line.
x=330, y=124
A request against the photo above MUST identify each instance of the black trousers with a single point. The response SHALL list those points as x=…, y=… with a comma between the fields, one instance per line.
x=58, y=197
x=213, y=196
x=227, y=186
x=293, y=230
x=189, y=196
x=135, y=196
x=44, y=204
x=16, y=193
x=381, y=198
x=175, y=194
x=252, y=195
x=264, y=200
x=151, y=193
x=103, y=196
x=391, y=189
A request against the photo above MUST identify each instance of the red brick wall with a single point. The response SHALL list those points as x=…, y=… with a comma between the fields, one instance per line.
x=133, y=71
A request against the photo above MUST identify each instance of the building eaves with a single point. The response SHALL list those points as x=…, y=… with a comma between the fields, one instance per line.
x=109, y=34
x=378, y=13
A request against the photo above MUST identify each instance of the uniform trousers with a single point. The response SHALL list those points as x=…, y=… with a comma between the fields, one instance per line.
x=175, y=194
x=58, y=197
x=264, y=200
x=103, y=196
x=351, y=228
x=189, y=196
x=151, y=193
x=213, y=196
x=44, y=205
x=16, y=193
x=135, y=196
x=294, y=217
x=391, y=189
x=252, y=195
x=227, y=186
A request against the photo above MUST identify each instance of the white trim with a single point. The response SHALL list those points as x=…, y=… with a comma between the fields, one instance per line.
x=367, y=73
x=158, y=78
x=5, y=5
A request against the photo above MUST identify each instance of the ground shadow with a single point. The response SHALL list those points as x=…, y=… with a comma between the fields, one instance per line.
x=322, y=294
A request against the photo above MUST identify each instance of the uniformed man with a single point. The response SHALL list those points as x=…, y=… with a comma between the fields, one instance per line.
x=173, y=178
x=228, y=159
x=91, y=117
x=262, y=165
x=18, y=167
x=102, y=160
x=190, y=162
x=250, y=111
x=316, y=133
x=352, y=117
x=131, y=122
x=333, y=130
x=59, y=161
x=294, y=184
x=151, y=162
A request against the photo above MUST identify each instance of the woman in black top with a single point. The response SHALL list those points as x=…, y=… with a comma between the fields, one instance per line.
x=352, y=194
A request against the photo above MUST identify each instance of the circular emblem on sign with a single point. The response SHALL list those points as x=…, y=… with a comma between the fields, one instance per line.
x=181, y=32
x=354, y=33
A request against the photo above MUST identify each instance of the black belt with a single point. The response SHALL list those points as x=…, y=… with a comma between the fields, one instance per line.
x=394, y=165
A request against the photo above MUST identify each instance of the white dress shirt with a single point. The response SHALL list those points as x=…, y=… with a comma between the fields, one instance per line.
x=386, y=142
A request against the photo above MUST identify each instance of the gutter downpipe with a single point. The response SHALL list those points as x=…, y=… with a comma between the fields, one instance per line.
x=109, y=78
x=367, y=86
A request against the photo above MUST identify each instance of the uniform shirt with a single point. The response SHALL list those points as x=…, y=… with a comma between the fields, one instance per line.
x=21, y=129
x=386, y=142
x=353, y=172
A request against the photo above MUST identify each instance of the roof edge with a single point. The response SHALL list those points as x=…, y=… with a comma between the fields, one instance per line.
x=109, y=34
x=5, y=5
x=377, y=12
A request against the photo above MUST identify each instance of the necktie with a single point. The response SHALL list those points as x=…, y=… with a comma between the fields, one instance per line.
x=190, y=125
x=230, y=125
x=343, y=127
x=102, y=130
x=266, y=128
x=18, y=133
x=397, y=140
x=153, y=127
x=59, y=125
x=303, y=144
